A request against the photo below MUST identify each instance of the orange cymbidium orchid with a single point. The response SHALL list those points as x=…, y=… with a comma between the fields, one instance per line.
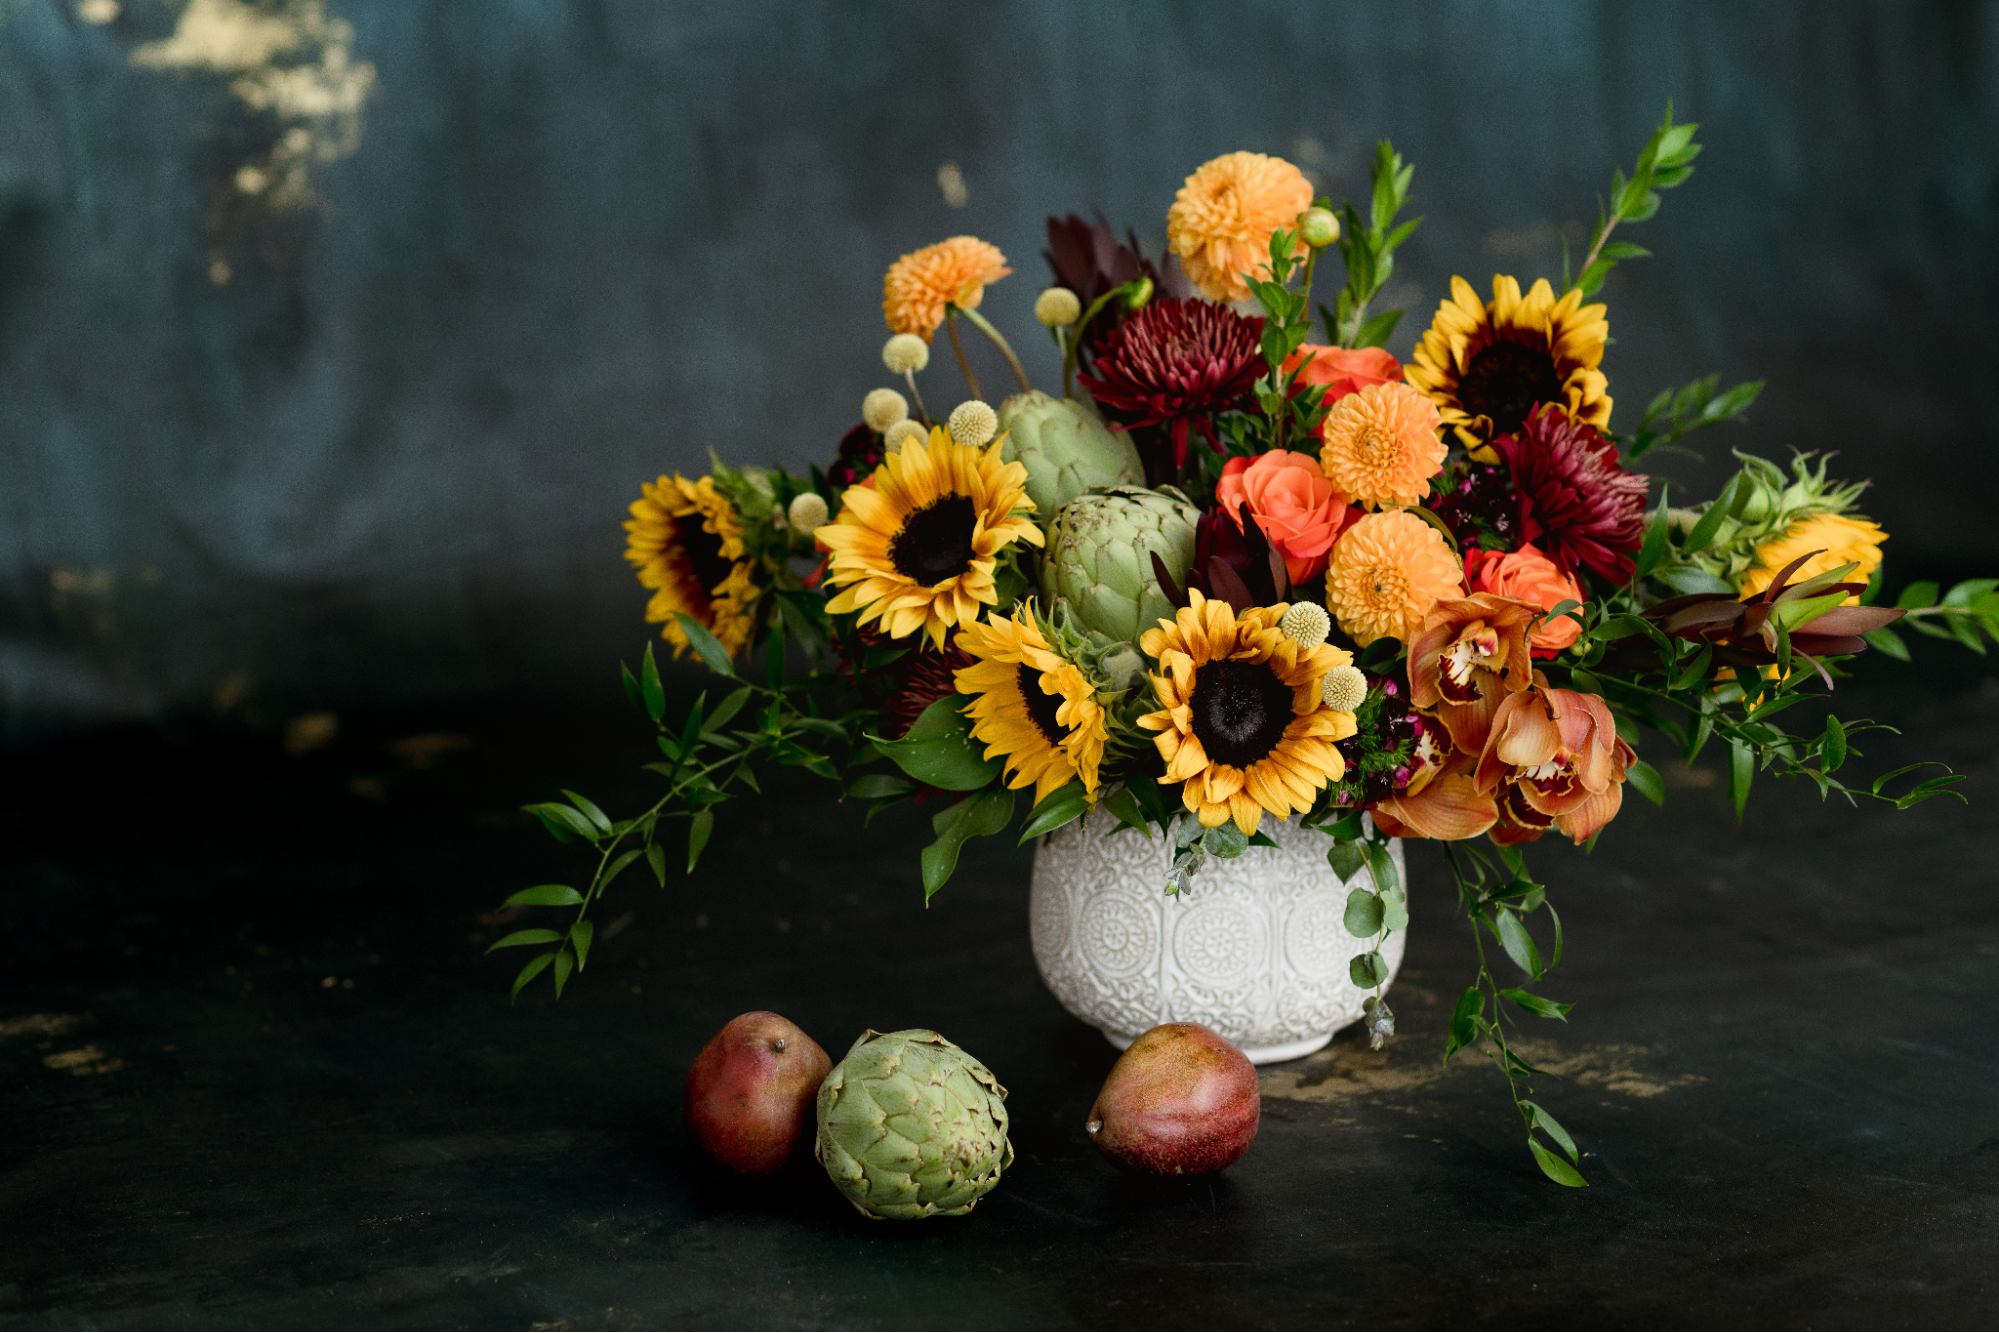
x=1471, y=653
x=1553, y=759
x=1446, y=805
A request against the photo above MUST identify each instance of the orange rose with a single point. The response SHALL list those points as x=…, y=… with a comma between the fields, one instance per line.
x=1528, y=576
x=1297, y=508
x=1343, y=370
x=1553, y=760
x=1471, y=653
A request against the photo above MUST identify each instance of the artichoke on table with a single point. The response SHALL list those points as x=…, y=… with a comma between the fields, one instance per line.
x=910, y=1126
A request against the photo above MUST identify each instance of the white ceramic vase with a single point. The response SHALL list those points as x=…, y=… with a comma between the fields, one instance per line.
x=1258, y=949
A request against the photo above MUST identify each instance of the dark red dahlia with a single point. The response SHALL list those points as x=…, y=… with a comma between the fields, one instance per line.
x=861, y=453
x=1177, y=362
x=1090, y=262
x=927, y=676
x=1577, y=503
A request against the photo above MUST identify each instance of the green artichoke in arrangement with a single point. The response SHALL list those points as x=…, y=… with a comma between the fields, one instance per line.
x=1066, y=449
x=911, y=1126
x=1099, y=557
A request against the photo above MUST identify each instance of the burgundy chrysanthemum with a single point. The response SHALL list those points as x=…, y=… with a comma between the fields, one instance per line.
x=1175, y=363
x=1090, y=261
x=925, y=677
x=1577, y=503
x=860, y=454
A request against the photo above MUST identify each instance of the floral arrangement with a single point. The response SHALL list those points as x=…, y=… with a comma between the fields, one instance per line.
x=1232, y=573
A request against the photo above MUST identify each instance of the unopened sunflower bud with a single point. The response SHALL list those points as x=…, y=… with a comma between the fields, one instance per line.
x=1058, y=307
x=1318, y=228
x=973, y=423
x=807, y=512
x=1306, y=624
x=901, y=433
x=1343, y=689
x=882, y=408
x=905, y=352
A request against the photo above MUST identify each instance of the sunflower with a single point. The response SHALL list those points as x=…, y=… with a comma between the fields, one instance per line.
x=1241, y=722
x=685, y=541
x=1488, y=366
x=1388, y=573
x=1837, y=539
x=1032, y=706
x=919, y=285
x=916, y=550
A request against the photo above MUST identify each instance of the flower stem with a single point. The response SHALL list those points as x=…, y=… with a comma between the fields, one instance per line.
x=1006, y=350
x=922, y=412
x=951, y=326
x=1075, y=340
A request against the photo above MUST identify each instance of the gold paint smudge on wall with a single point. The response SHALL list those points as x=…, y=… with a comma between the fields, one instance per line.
x=289, y=60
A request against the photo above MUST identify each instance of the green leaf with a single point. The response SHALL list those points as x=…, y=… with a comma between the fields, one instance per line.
x=1725, y=506
x=1382, y=866
x=975, y=816
x=1348, y=829
x=1537, y=1005
x=1062, y=806
x=707, y=645
x=1465, y=1019
x=1123, y=806
x=589, y=809
x=1378, y=329
x=557, y=813
x=939, y=749
x=654, y=692
x=1834, y=748
x=728, y=708
x=1347, y=860
x=1585, y=681
x=1552, y=1127
x=1918, y=595
x=1741, y=772
x=544, y=895
x=632, y=690
x=521, y=937
x=656, y=858
x=1645, y=779
x=617, y=867
x=1364, y=912
x=1368, y=971
x=1885, y=640
x=698, y=829
x=528, y=973
x=1519, y=945
x=1554, y=1167
x=565, y=963
x=1225, y=840
x=1687, y=579
x=580, y=936
x=879, y=787
x=1654, y=549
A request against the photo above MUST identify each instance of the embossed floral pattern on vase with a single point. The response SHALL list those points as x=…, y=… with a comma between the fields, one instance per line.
x=1258, y=950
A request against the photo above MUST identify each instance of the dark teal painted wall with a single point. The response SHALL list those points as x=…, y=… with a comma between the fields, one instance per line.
x=580, y=243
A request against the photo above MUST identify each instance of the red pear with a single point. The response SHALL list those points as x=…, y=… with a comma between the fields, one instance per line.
x=751, y=1092
x=1180, y=1102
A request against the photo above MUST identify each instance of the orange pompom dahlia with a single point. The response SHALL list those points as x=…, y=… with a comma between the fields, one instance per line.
x=953, y=272
x=1387, y=574
x=1382, y=445
x=1221, y=221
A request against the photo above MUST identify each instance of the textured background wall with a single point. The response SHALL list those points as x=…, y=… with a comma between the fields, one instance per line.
x=335, y=336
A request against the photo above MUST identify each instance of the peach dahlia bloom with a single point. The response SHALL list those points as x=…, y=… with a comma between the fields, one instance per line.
x=1220, y=222
x=954, y=272
x=1382, y=445
x=1387, y=573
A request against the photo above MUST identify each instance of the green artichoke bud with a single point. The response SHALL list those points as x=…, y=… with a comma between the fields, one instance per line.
x=1099, y=557
x=1066, y=449
x=911, y=1126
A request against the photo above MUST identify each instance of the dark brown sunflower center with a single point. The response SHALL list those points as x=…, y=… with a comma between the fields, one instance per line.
x=705, y=562
x=935, y=542
x=1507, y=381
x=1041, y=706
x=1240, y=711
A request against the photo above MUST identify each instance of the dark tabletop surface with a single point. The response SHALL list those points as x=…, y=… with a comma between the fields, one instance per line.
x=257, y=1072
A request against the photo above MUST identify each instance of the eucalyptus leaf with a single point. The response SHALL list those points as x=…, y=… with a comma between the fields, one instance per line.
x=1347, y=860
x=1363, y=915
